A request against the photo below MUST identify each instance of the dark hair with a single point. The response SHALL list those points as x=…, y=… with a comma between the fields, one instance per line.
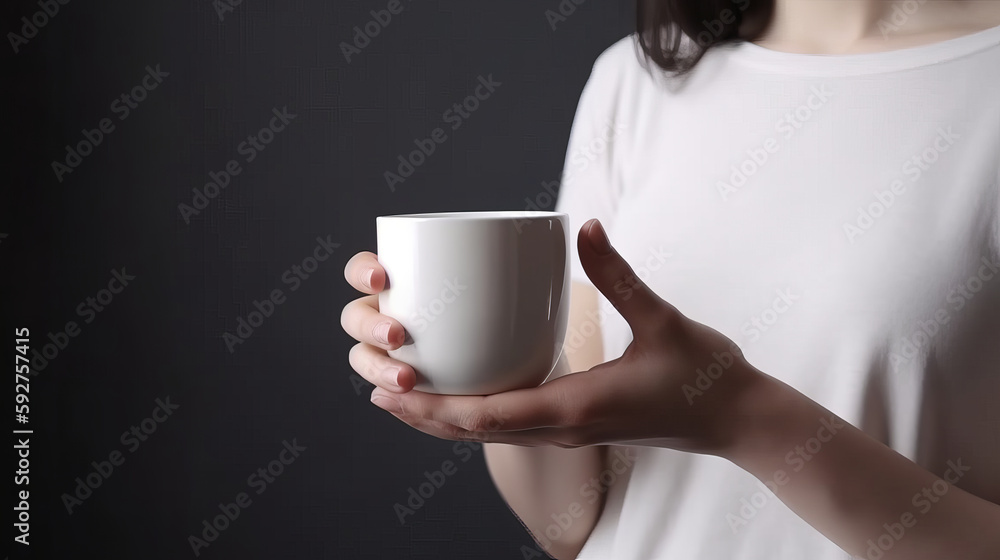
x=662, y=26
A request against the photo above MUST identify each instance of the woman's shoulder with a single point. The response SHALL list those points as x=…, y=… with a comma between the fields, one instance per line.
x=622, y=60
x=626, y=88
x=620, y=78
x=623, y=67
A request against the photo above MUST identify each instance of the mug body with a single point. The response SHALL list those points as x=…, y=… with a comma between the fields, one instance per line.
x=483, y=296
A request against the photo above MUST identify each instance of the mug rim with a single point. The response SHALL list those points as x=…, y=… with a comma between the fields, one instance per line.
x=478, y=216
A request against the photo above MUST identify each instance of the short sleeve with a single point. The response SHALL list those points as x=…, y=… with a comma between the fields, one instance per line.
x=589, y=186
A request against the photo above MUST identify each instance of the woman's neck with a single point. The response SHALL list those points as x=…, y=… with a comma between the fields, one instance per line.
x=855, y=26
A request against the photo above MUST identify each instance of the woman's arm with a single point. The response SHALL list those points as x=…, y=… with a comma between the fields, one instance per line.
x=870, y=500
x=847, y=485
x=539, y=482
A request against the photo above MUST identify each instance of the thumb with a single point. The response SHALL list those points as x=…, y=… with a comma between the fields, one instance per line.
x=610, y=274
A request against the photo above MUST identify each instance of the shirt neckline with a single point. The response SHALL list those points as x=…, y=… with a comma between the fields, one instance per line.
x=865, y=63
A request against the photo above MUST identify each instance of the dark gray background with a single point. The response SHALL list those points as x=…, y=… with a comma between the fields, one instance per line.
x=322, y=176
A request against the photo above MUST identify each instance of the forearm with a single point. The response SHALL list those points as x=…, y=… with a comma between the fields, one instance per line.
x=541, y=484
x=854, y=489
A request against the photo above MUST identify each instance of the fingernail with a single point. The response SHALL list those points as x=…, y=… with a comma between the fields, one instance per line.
x=599, y=239
x=391, y=376
x=381, y=332
x=387, y=404
x=366, y=278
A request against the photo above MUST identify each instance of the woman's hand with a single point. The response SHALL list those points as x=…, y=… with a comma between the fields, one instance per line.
x=651, y=395
x=682, y=385
x=375, y=333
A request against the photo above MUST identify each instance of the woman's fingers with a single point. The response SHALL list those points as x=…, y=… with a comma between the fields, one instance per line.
x=365, y=273
x=375, y=332
x=567, y=402
x=364, y=323
x=381, y=370
x=360, y=317
x=559, y=437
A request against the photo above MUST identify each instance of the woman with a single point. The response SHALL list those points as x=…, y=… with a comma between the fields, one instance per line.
x=814, y=182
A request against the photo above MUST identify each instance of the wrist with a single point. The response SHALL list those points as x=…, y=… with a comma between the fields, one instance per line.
x=767, y=419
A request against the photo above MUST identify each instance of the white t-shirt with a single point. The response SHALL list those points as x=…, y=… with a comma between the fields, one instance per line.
x=837, y=217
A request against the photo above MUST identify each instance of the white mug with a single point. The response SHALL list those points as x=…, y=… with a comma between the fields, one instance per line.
x=483, y=296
